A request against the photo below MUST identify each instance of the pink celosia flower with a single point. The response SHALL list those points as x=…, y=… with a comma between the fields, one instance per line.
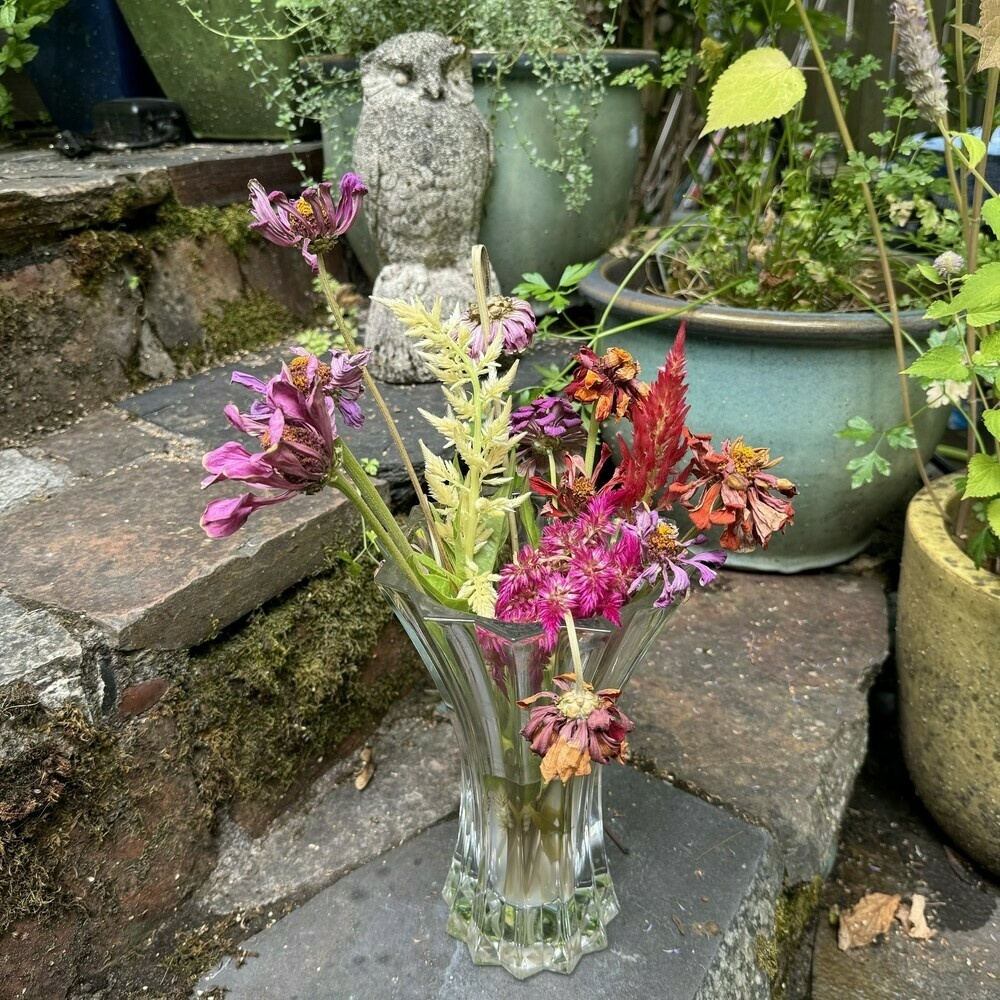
x=576, y=728
x=509, y=318
x=732, y=488
x=550, y=427
x=657, y=434
x=582, y=567
x=612, y=382
x=297, y=432
x=313, y=222
x=667, y=558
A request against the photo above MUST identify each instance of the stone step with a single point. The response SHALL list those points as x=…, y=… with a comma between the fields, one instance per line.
x=697, y=891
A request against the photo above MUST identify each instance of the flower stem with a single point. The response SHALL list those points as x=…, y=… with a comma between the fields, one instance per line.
x=338, y=316
x=574, y=652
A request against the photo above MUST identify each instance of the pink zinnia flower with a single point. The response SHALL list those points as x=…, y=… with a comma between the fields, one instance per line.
x=297, y=433
x=576, y=728
x=551, y=426
x=509, y=318
x=314, y=220
x=342, y=380
x=669, y=559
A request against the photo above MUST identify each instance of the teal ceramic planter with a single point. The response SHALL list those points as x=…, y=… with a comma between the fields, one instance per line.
x=526, y=225
x=786, y=381
x=196, y=68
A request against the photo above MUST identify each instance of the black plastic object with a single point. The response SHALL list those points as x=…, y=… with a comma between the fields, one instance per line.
x=127, y=123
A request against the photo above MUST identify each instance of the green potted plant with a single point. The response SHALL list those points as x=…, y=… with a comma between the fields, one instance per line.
x=776, y=276
x=948, y=622
x=566, y=143
x=18, y=19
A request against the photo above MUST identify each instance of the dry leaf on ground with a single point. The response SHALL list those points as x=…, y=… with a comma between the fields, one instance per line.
x=913, y=919
x=867, y=919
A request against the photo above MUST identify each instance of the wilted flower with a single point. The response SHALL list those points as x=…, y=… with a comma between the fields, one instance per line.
x=612, y=382
x=737, y=476
x=297, y=432
x=949, y=264
x=668, y=558
x=314, y=221
x=920, y=60
x=342, y=380
x=577, y=727
x=550, y=426
x=575, y=489
x=508, y=317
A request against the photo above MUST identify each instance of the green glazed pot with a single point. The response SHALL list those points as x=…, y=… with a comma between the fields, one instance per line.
x=785, y=381
x=196, y=69
x=526, y=225
x=948, y=661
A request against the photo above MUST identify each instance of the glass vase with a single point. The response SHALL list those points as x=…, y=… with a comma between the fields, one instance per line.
x=528, y=887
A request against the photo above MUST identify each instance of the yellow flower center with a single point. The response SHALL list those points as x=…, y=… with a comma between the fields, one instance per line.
x=578, y=704
x=747, y=460
x=662, y=541
x=303, y=207
x=297, y=369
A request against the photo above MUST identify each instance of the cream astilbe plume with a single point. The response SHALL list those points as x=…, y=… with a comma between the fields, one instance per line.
x=920, y=60
x=471, y=492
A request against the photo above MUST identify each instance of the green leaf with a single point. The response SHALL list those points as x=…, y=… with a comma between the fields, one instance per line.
x=901, y=436
x=979, y=296
x=863, y=469
x=761, y=84
x=575, y=273
x=991, y=214
x=970, y=148
x=993, y=516
x=989, y=349
x=991, y=419
x=857, y=429
x=944, y=363
x=929, y=272
x=984, y=477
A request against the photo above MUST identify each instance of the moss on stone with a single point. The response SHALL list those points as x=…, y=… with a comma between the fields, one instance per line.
x=173, y=221
x=254, y=321
x=259, y=705
x=95, y=253
x=793, y=913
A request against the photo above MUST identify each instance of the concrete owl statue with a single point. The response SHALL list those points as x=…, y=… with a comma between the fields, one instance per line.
x=425, y=152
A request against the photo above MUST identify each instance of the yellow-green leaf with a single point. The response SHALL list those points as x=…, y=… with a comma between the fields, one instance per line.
x=984, y=477
x=993, y=516
x=991, y=213
x=991, y=419
x=760, y=85
x=969, y=147
x=989, y=35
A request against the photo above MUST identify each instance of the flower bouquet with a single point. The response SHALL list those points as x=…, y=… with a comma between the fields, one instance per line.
x=531, y=576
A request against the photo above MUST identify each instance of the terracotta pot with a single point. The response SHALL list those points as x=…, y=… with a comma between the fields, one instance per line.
x=948, y=659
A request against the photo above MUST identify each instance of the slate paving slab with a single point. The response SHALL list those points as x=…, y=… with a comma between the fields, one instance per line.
x=126, y=553
x=24, y=477
x=755, y=697
x=890, y=844
x=696, y=888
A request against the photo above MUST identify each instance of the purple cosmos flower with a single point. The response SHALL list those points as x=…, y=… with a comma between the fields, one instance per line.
x=297, y=432
x=313, y=220
x=551, y=426
x=509, y=317
x=342, y=380
x=577, y=727
x=669, y=559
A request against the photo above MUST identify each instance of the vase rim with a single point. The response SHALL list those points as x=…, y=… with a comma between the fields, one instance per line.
x=390, y=577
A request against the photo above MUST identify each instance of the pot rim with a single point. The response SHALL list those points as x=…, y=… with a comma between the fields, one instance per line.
x=483, y=60
x=864, y=329
x=925, y=526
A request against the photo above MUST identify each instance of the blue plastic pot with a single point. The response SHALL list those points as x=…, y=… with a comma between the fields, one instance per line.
x=86, y=54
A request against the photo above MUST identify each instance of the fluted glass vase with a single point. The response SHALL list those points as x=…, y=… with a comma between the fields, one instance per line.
x=528, y=887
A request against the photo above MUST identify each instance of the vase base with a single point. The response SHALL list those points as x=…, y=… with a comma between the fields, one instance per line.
x=525, y=939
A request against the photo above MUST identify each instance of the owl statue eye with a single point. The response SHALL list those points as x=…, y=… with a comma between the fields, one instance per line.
x=402, y=76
